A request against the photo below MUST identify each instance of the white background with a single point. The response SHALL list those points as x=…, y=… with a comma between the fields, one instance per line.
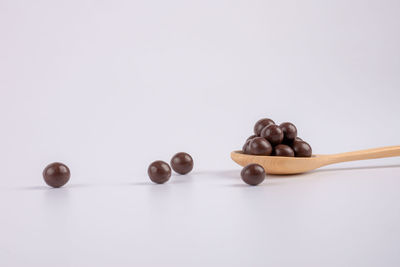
x=109, y=86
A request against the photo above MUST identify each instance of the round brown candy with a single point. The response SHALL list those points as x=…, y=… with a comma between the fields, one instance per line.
x=259, y=146
x=253, y=174
x=297, y=139
x=289, y=130
x=302, y=149
x=283, y=151
x=291, y=142
x=251, y=137
x=182, y=163
x=273, y=133
x=159, y=172
x=56, y=174
x=261, y=124
x=245, y=147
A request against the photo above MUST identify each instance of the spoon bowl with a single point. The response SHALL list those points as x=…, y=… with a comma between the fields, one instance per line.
x=295, y=165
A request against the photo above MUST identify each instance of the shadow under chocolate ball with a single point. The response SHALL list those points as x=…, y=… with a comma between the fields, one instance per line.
x=56, y=174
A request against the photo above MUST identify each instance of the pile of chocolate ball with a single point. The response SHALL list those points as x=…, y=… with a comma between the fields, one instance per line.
x=281, y=140
x=270, y=139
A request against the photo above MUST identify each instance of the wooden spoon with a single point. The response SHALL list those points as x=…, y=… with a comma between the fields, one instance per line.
x=293, y=165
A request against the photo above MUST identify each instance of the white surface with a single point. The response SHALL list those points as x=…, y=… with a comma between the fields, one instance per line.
x=327, y=218
x=109, y=86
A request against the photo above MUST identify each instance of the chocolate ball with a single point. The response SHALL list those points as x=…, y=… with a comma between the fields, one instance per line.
x=159, y=172
x=273, y=133
x=283, y=151
x=297, y=139
x=259, y=146
x=251, y=137
x=182, y=163
x=261, y=124
x=291, y=142
x=302, y=149
x=246, y=147
x=253, y=174
x=289, y=130
x=56, y=174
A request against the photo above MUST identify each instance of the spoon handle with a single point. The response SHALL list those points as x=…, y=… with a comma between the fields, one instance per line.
x=373, y=153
